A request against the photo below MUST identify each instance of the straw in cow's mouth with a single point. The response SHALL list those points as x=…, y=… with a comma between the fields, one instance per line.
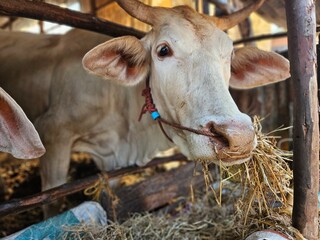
x=265, y=178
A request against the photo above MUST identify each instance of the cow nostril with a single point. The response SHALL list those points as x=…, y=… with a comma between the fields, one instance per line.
x=219, y=138
x=210, y=127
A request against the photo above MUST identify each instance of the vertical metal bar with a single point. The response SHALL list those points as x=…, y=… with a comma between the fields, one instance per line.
x=301, y=22
x=205, y=7
x=93, y=8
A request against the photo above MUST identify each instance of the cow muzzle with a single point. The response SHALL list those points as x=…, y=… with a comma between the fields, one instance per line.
x=233, y=140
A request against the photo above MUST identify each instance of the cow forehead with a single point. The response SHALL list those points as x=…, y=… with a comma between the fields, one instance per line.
x=201, y=26
x=186, y=28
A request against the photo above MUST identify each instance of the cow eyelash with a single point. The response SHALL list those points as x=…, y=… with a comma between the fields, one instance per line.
x=163, y=50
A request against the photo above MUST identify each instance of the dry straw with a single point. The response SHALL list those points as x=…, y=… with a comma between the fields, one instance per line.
x=249, y=197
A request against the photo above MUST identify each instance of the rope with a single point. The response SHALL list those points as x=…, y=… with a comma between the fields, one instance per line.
x=100, y=186
x=181, y=127
x=149, y=106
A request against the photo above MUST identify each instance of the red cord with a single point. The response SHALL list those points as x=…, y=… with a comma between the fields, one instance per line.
x=149, y=106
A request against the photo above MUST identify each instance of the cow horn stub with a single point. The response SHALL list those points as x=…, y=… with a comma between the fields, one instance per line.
x=140, y=11
x=235, y=18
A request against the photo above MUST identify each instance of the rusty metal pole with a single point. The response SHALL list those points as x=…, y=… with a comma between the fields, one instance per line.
x=301, y=22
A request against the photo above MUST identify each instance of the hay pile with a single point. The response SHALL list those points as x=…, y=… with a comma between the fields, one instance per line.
x=249, y=197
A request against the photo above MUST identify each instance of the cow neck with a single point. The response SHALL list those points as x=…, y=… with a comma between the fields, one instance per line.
x=150, y=107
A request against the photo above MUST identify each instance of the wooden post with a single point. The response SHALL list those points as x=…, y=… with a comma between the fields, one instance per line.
x=302, y=55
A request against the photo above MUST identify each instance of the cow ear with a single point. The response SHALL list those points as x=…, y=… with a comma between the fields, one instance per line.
x=124, y=60
x=17, y=134
x=252, y=67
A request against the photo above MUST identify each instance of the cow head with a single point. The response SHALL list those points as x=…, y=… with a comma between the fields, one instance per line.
x=191, y=63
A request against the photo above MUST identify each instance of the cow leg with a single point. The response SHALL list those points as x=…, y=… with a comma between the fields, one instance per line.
x=54, y=168
x=54, y=164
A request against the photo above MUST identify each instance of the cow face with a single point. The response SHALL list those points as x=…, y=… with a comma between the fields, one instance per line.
x=191, y=63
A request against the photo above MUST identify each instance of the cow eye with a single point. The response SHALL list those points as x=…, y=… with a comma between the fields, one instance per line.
x=164, y=50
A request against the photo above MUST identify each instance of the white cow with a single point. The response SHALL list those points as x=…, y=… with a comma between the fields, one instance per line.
x=189, y=63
